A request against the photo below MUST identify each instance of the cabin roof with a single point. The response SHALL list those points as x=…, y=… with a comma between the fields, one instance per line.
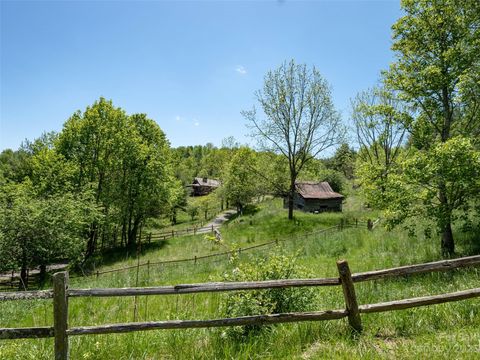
x=316, y=190
x=198, y=181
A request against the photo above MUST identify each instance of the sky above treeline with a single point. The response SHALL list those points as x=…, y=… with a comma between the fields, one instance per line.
x=190, y=66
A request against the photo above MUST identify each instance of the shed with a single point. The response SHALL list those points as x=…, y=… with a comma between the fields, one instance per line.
x=203, y=186
x=313, y=196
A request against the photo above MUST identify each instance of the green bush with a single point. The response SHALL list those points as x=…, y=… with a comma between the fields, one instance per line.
x=271, y=301
x=336, y=179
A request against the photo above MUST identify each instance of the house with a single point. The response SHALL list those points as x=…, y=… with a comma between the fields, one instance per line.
x=313, y=196
x=203, y=186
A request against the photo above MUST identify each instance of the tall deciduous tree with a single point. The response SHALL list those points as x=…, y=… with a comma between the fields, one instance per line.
x=125, y=160
x=300, y=120
x=379, y=118
x=38, y=230
x=240, y=182
x=437, y=43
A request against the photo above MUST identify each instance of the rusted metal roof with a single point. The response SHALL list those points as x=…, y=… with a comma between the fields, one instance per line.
x=198, y=181
x=314, y=190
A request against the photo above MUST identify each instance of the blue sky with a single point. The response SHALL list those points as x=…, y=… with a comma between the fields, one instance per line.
x=191, y=66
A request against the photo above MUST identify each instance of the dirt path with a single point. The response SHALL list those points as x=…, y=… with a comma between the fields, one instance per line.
x=217, y=222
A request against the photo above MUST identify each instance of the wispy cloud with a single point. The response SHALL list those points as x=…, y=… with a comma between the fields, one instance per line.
x=196, y=122
x=178, y=118
x=241, y=70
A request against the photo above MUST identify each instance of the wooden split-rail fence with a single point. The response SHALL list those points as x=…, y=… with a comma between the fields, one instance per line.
x=61, y=293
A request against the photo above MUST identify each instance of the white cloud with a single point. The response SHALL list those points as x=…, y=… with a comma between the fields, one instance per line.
x=178, y=118
x=241, y=70
x=196, y=122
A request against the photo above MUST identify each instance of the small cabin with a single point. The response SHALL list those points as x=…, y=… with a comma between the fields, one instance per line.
x=316, y=197
x=203, y=186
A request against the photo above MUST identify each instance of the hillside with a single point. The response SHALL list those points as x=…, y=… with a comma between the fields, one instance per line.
x=441, y=331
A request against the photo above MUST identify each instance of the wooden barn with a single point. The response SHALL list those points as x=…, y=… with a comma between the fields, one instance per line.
x=316, y=197
x=203, y=186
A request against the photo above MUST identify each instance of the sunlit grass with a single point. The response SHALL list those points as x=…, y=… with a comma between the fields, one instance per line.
x=441, y=331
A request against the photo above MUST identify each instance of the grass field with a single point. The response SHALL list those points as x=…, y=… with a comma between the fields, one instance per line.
x=438, y=332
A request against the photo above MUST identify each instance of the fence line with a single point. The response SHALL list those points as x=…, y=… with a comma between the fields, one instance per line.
x=342, y=225
x=352, y=311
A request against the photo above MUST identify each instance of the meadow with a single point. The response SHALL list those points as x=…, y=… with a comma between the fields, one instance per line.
x=444, y=331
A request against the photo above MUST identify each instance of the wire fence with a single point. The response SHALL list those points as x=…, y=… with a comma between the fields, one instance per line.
x=181, y=264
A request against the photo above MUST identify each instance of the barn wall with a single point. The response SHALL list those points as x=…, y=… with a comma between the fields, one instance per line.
x=311, y=205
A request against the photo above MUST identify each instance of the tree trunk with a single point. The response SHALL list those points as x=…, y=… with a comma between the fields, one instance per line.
x=132, y=232
x=23, y=285
x=124, y=232
x=43, y=274
x=291, y=194
x=91, y=241
x=448, y=245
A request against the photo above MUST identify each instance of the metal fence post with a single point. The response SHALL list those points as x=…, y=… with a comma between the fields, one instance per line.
x=60, y=315
x=349, y=294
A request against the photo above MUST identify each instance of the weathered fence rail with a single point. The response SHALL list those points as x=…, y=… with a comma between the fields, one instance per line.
x=61, y=293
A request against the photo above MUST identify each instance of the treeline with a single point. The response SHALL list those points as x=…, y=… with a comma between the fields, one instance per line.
x=94, y=185
x=246, y=174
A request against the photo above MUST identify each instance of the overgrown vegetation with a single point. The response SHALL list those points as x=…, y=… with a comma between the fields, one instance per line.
x=403, y=334
x=272, y=301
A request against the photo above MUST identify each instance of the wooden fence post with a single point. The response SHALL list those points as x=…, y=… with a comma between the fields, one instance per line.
x=369, y=224
x=349, y=294
x=60, y=315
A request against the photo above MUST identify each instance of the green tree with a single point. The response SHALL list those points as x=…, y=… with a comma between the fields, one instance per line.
x=126, y=162
x=436, y=71
x=454, y=163
x=300, y=120
x=344, y=160
x=379, y=118
x=39, y=230
x=14, y=165
x=240, y=182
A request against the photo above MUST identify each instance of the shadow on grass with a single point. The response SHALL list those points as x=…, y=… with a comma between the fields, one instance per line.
x=111, y=256
x=248, y=210
x=469, y=242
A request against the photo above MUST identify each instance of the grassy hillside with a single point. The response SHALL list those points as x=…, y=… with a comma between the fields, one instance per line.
x=440, y=331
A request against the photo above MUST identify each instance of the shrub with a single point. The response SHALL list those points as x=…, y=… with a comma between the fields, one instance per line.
x=336, y=179
x=270, y=301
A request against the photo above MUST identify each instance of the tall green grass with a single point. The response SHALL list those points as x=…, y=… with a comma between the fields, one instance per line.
x=438, y=332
